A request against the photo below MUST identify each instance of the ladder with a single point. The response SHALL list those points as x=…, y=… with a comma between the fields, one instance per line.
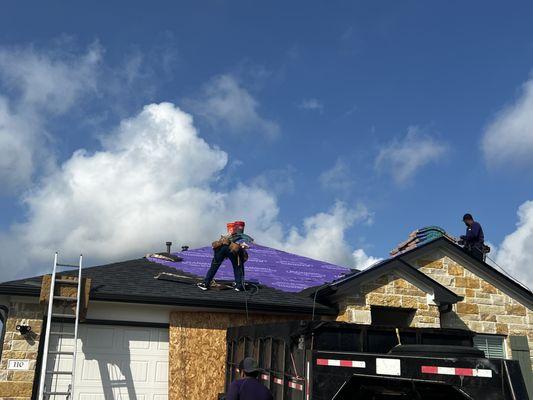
x=66, y=319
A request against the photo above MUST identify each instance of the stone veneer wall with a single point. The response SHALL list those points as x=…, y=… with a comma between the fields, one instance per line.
x=19, y=384
x=485, y=309
x=390, y=291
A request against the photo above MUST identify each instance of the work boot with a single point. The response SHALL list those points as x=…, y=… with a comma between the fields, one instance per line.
x=238, y=288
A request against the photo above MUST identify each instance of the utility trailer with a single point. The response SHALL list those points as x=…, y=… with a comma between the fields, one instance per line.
x=322, y=360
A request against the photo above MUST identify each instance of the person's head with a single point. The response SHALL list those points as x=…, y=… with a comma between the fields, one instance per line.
x=468, y=219
x=249, y=368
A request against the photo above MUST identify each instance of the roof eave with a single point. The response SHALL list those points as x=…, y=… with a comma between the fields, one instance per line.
x=141, y=299
x=337, y=290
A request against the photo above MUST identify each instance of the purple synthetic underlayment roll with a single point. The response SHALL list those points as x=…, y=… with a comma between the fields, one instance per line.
x=270, y=267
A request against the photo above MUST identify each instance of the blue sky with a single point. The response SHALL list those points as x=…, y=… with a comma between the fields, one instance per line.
x=331, y=127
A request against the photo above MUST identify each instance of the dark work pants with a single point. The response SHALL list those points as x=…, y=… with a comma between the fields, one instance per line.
x=220, y=255
x=475, y=251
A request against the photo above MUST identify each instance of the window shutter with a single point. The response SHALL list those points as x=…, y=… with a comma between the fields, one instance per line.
x=520, y=351
x=492, y=345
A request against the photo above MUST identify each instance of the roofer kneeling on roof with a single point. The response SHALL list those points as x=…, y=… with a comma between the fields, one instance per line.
x=473, y=240
x=233, y=247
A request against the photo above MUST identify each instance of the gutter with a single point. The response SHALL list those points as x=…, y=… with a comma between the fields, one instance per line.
x=139, y=299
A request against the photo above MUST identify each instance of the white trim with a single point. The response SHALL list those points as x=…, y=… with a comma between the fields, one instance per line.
x=142, y=313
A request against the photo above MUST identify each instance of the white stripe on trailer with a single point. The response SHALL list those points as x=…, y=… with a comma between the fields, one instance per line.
x=483, y=373
x=296, y=385
x=436, y=370
x=446, y=371
x=278, y=381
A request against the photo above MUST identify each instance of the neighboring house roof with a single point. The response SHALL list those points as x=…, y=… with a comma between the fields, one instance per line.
x=352, y=283
x=134, y=281
x=267, y=266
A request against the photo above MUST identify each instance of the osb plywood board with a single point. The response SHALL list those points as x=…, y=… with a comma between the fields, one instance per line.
x=67, y=291
x=198, y=351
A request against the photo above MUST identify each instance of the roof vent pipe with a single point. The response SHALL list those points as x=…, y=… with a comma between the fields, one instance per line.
x=184, y=248
x=169, y=244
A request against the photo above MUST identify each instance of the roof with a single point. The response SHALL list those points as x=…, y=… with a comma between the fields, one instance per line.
x=280, y=274
x=435, y=239
x=134, y=281
x=267, y=266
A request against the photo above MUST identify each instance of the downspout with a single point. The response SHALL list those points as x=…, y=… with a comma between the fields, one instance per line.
x=445, y=308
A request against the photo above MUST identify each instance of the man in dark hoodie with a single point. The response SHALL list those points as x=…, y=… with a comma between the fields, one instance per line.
x=249, y=387
x=474, y=238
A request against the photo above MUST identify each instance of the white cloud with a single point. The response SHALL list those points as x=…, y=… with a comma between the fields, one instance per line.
x=338, y=178
x=36, y=85
x=228, y=105
x=311, y=104
x=516, y=250
x=509, y=138
x=18, y=141
x=323, y=236
x=403, y=158
x=51, y=80
x=363, y=260
x=152, y=181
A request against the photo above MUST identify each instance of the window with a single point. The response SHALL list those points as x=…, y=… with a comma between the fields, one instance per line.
x=492, y=345
x=393, y=317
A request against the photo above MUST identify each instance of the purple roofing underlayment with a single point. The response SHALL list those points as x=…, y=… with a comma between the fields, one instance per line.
x=270, y=267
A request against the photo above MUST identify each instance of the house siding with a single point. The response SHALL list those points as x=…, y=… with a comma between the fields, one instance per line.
x=390, y=291
x=485, y=308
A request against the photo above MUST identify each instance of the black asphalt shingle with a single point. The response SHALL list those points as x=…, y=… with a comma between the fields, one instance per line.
x=134, y=281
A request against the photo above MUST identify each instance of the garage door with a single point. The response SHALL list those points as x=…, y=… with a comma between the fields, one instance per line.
x=113, y=362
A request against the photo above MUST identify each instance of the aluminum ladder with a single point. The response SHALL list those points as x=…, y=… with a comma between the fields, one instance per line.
x=61, y=301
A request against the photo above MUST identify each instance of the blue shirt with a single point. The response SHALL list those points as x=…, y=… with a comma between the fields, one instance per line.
x=248, y=389
x=474, y=235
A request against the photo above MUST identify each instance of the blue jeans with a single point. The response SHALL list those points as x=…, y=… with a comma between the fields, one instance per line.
x=220, y=255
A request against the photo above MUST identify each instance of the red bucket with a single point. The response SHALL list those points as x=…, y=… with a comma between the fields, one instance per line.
x=231, y=228
x=239, y=226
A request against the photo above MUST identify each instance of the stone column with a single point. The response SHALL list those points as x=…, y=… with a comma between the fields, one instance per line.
x=18, y=385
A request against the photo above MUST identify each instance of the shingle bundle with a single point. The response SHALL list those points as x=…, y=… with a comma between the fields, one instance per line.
x=419, y=237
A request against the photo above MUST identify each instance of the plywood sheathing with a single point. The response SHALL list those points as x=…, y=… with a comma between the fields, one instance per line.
x=67, y=290
x=198, y=351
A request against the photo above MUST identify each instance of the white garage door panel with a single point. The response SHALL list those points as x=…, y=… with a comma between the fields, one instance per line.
x=114, y=362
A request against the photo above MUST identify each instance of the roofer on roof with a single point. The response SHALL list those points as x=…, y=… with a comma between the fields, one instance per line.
x=233, y=247
x=473, y=240
x=248, y=388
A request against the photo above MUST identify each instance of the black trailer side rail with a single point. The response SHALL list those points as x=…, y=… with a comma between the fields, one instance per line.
x=331, y=374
